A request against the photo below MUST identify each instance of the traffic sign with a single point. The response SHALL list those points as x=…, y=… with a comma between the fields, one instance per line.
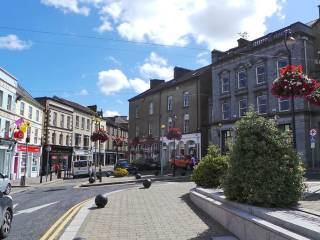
x=313, y=132
x=313, y=145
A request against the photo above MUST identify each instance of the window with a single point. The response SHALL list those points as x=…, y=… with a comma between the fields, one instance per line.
x=54, y=121
x=262, y=104
x=68, y=122
x=77, y=139
x=67, y=140
x=61, y=139
x=186, y=98
x=9, y=103
x=86, y=141
x=36, y=136
x=137, y=111
x=242, y=79
x=260, y=74
x=137, y=131
x=82, y=122
x=169, y=123
x=7, y=129
x=285, y=127
x=62, y=121
x=225, y=84
x=30, y=112
x=53, y=138
x=280, y=64
x=226, y=111
x=77, y=121
x=1, y=98
x=242, y=107
x=283, y=105
x=186, y=123
x=151, y=108
x=150, y=129
x=88, y=124
x=22, y=108
x=169, y=103
x=37, y=115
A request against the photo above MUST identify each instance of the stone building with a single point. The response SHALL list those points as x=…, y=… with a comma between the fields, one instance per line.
x=181, y=102
x=8, y=89
x=28, y=154
x=243, y=76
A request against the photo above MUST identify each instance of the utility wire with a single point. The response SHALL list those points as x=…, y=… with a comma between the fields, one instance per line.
x=96, y=38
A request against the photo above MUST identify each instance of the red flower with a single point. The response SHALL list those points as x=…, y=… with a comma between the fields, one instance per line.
x=174, y=133
x=314, y=97
x=100, y=135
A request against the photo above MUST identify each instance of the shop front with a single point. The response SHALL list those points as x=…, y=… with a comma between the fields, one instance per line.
x=26, y=161
x=7, y=148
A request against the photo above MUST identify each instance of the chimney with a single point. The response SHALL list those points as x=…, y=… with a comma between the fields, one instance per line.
x=93, y=108
x=319, y=11
x=179, y=72
x=215, y=55
x=242, y=42
x=155, y=82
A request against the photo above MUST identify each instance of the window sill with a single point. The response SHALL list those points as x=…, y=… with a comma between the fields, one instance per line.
x=260, y=87
x=224, y=96
x=241, y=91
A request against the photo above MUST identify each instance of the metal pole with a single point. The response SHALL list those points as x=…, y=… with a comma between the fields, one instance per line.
x=174, y=157
x=41, y=163
x=47, y=166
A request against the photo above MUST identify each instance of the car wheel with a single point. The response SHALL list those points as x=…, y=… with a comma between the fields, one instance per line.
x=6, y=226
x=8, y=189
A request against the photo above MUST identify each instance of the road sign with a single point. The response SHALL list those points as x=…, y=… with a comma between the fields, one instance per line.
x=313, y=132
x=313, y=145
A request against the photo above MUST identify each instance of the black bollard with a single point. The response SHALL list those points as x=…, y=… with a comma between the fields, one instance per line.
x=91, y=180
x=156, y=173
x=146, y=183
x=138, y=176
x=101, y=201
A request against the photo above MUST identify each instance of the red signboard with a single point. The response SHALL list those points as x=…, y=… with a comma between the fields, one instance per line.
x=33, y=149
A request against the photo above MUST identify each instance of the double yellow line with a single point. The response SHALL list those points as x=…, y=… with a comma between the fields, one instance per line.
x=60, y=224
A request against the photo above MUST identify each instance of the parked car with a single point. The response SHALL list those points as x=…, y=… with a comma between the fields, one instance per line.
x=5, y=185
x=181, y=162
x=147, y=164
x=123, y=163
x=6, y=211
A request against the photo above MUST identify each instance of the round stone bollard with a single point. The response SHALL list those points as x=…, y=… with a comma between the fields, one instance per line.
x=146, y=183
x=101, y=201
x=91, y=180
x=138, y=176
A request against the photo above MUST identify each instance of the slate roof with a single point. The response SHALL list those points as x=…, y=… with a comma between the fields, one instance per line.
x=74, y=105
x=27, y=96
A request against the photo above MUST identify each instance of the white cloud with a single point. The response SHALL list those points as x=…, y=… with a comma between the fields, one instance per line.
x=106, y=26
x=119, y=101
x=110, y=113
x=203, y=58
x=114, y=60
x=214, y=23
x=112, y=81
x=12, y=42
x=69, y=6
x=83, y=92
x=139, y=85
x=156, y=67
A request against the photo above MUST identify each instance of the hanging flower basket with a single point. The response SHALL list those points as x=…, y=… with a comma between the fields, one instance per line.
x=292, y=82
x=314, y=97
x=118, y=142
x=174, y=133
x=99, y=135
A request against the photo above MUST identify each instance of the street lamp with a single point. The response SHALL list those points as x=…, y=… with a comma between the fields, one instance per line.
x=288, y=41
x=161, y=155
x=220, y=137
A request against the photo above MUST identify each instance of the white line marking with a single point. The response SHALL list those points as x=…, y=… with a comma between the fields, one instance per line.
x=15, y=205
x=30, y=210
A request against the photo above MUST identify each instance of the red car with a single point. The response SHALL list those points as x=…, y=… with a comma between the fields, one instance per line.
x=181, y=162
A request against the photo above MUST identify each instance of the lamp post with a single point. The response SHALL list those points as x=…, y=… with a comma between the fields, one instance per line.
x=288, y=40
x=220, y=137
x=23, y=178
x=160, y=152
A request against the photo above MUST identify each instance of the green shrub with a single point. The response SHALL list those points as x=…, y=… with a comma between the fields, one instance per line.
x=264, y=168
x=120, y=172
x=211, y=170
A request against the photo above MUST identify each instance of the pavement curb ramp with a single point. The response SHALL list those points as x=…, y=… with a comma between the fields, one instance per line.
x=133, y=181
x=54, y=231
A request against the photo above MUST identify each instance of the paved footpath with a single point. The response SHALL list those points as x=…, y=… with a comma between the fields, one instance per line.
x=161, y=212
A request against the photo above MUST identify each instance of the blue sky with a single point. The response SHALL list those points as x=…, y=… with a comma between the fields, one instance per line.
x=104, y=51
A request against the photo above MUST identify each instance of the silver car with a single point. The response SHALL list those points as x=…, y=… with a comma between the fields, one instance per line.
x=5, y=185
x=6, y=214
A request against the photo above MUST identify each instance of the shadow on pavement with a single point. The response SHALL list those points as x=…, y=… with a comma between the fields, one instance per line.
x=214, y=228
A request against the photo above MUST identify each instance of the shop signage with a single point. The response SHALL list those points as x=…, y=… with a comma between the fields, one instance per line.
x=33, y=149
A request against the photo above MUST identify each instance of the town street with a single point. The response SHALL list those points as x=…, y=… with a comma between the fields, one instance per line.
x=36, y=209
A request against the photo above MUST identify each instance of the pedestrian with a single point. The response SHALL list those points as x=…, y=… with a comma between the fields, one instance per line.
x=193, y=162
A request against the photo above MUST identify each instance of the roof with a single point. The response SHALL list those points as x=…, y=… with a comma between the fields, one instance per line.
x=74, y=105
x=311, y=23
x=110, y=121
x=27, y=96
x=186, y=77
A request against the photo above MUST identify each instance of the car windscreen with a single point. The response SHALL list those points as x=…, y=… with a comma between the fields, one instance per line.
x=80, y=164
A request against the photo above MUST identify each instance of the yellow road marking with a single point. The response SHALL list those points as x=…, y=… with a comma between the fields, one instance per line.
x=56, y=228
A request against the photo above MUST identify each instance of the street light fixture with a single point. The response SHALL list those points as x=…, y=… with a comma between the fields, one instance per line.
x=288, y=41
x=161, y=155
